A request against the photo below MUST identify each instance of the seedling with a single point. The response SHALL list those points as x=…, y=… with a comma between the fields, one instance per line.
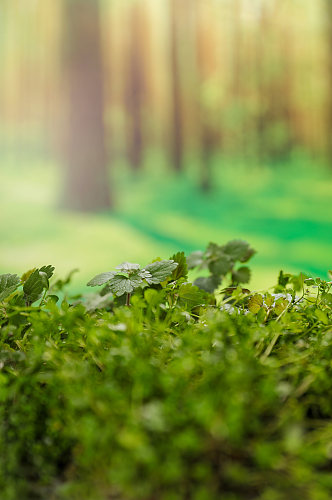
x=128, y=277
x=220, y=261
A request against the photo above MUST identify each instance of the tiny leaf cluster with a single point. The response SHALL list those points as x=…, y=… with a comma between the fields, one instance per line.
x=220, y=260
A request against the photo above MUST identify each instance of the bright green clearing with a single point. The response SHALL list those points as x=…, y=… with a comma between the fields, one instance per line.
x=284, y=212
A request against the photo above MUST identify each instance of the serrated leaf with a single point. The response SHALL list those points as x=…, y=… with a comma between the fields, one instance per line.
x=101, y=279
x=280, y=306
x=128, y=267
x=122, y=284
x=241, y=275
x=160, y=271
x=26, y=275
x=255, y=303
x=221, y=266
x=238, y=250
x=8, y=284
x=269, y=300
x=48, y=270
x=195, y=259
x=144, y=274
x=33, y=287
x=191, y=296
x=44, y=279
x=181, y=271
x=209, y=284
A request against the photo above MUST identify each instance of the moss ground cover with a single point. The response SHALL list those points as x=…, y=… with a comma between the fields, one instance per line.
x=193, y=391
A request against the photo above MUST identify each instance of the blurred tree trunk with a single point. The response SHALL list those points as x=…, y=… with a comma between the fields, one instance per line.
x=262, y=111
x=135, y=88
x=177, y=121
x=328, y=4
x=87, y=182
x=237, y=71
x=274, y=121
x=206, y=67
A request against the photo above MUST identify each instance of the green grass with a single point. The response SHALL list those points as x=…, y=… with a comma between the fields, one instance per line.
x=284, y=212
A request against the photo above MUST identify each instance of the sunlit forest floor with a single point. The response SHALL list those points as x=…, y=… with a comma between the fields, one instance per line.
x=285, y=212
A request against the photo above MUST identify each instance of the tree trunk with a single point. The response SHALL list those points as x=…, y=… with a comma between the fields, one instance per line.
x=329, y=105
x=177, y=125
x=135, y=89
x=87, y=182
x=210, y=138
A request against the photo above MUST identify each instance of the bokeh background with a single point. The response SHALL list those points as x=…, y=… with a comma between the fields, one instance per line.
x=132, y=129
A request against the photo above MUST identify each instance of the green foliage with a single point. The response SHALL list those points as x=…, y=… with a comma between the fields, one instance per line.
x=182, y=395
x=220, y=261
x=131, y=277
x=8, y=284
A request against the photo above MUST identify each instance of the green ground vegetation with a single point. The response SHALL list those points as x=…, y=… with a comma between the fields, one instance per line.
x=154, y=387
x=284, y=210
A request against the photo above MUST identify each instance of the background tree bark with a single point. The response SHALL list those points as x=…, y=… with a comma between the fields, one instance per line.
x=177, y=122
x=86, y=176
x=135, y=88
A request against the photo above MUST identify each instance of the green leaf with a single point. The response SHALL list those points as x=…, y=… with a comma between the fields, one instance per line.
x=160, y=271
x=221, y=266
x=33, y=287
x=195, y=259
x=181, y=271
x=208, y=284
x=128, y=267
x=48, y=270
x=298, y=281
x=269, y=300
x=26, y=275
x=191, y=296
x=241, y=275
x=322, y=316
x=213, y=251
x=327, y=298
x=101, y=279
x=144, y=274
x=309, y=281
x=8, y=284
x=255, y=303
x=261, y=315
x=283, y=279
x=122, y=284
x=239, y=250
x=44, y=279
x=280, y=306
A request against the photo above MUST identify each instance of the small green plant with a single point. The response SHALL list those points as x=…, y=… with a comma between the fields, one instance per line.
x=220, y=260
x=34, y=284
x=128, y=277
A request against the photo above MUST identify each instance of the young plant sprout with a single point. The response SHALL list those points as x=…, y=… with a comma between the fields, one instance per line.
x=128, y=277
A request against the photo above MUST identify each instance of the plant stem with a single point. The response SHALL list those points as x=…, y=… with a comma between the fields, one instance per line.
x=128, y=299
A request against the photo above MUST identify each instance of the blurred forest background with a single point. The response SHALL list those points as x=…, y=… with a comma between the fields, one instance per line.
x=136, y=128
